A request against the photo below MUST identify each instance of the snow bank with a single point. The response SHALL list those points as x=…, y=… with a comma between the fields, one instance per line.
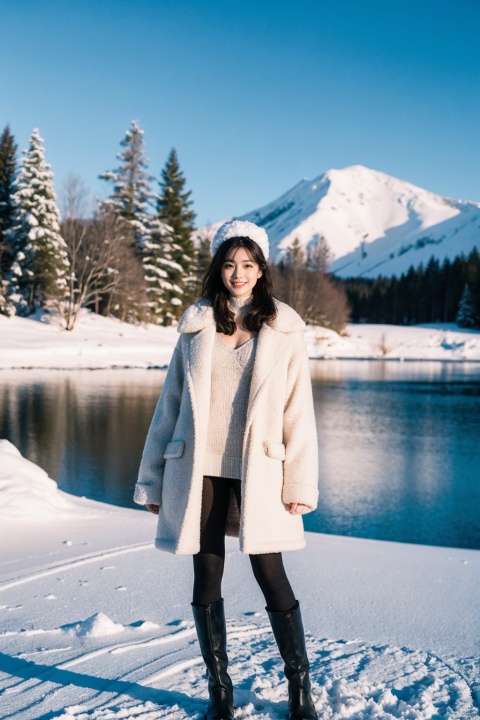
x=95, y=342
x=26, y=491
x=98, y=342
x=395, y=342
x=392, y=629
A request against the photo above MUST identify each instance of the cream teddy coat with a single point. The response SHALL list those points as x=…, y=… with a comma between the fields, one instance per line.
x=279, y=461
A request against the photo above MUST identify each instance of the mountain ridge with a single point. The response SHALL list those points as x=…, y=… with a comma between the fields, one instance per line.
x=374, y=223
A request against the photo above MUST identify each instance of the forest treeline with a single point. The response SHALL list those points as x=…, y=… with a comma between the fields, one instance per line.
x=136, y=255
x=440, y=292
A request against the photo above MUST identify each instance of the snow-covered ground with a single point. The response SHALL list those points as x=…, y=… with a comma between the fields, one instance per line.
x=445, y=342
x=98, y=342
x=96, y=623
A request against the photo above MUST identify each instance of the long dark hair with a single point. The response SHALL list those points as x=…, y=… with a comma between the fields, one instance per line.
x=262, y=307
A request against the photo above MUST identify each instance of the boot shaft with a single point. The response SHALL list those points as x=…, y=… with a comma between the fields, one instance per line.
x=212, y=637
x=212, y=633
x=290, y=637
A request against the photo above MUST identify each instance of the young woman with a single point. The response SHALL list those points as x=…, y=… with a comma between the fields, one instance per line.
x=232, y=450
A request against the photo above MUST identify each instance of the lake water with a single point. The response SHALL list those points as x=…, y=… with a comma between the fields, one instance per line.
x=399, y=443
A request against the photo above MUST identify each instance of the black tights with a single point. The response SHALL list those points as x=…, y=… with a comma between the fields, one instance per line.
x=209, y=562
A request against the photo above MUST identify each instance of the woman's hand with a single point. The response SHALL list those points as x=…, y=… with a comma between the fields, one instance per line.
x=298, y=509
x=153, y=508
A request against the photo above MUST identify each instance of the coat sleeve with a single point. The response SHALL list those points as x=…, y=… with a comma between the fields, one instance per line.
x=148, y=489
x=300, y=469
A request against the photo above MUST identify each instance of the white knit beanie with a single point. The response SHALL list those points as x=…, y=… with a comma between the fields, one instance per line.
x=240, y=228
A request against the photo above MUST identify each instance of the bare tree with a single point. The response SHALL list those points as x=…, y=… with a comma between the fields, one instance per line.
x=319, y=255
x=295, y=286
x=302, y=281
x=330, y=307
x=105, y=274
x=125, y=296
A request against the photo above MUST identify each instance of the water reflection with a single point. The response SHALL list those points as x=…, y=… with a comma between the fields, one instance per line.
x=394, y=371
x=399, y=454
x=86, y=428
x=398, y=442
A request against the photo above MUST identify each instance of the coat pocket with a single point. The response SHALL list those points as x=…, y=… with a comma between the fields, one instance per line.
x=174, y=449
x=274, y=450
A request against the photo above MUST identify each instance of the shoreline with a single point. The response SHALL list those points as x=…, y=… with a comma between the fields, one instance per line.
x=326, y=359
x=98, y=342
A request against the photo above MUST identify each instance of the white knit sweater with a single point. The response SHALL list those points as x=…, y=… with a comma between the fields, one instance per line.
x=231, y=376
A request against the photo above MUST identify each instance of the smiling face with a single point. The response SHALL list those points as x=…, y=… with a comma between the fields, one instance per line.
x=240, y=272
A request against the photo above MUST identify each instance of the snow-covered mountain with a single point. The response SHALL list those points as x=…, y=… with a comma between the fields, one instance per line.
x=375, y=224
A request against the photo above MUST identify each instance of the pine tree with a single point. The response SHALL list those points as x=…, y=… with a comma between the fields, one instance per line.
x=131, y=195
x=8, y=164
x=40, y=266
x=161, y=272
x=153, y=244
x=175, y=209
x=466, y=315
x=472, y=269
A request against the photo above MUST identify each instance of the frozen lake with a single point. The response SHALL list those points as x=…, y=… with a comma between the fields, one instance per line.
x=399, y=443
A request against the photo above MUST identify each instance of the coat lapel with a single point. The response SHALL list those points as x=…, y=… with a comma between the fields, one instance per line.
x=200, y=350
x=270, y=346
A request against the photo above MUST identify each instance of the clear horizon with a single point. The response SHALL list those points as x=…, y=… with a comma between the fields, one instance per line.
x=254, y=96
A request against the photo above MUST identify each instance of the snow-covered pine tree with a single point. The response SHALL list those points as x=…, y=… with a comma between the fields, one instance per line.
x=466, y=315
x=40, y=266
x=175, y=209
x=131, y=195
x=161, y=272
x=131, y=199
x=8, y=165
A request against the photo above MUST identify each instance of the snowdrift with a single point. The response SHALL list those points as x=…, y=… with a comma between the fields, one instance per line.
x=26, y=491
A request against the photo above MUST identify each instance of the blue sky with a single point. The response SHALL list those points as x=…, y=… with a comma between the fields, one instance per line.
x=254, y=96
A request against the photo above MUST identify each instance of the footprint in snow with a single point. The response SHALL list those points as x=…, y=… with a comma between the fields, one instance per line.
x=175, y=623
x=145, y=625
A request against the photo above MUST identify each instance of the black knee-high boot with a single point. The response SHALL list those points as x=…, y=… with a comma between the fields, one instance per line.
x=212, y=636
x=288, y=631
